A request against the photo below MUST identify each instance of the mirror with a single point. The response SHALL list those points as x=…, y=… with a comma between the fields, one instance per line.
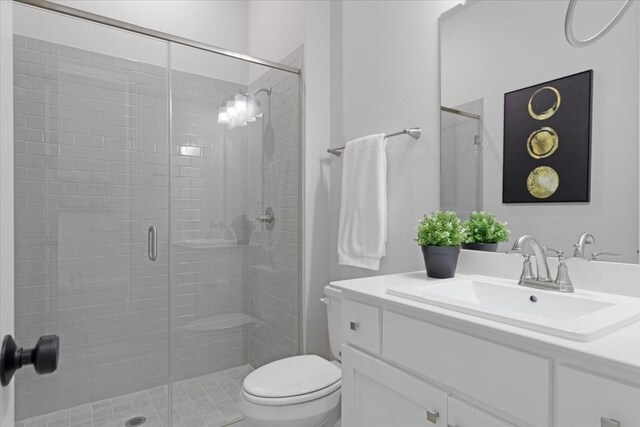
x=496, y=55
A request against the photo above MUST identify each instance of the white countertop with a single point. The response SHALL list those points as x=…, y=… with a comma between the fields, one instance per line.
x=619, y=350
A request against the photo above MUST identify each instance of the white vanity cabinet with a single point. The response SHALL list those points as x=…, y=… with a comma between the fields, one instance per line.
x=587, y=400
x=401, y=370
x=461, y=414
x=491, y=373
x=361, y=326
x=376, y=394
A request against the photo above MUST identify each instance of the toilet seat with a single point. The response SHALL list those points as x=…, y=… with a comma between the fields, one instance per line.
x=291, y=400
x=292, y=380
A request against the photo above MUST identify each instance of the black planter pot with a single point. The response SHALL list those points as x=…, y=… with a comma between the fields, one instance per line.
x=487, y=247
x=441, y=261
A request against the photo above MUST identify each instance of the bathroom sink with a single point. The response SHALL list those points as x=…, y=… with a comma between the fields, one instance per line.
x=579, y=316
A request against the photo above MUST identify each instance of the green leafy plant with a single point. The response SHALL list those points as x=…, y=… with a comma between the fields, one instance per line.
x=440, y=229
x=483, y=227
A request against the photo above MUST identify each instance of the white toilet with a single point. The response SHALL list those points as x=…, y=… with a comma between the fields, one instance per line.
x=300, y=391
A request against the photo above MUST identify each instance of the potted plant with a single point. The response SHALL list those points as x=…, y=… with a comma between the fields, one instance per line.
x=440, y=235
x=484, y=232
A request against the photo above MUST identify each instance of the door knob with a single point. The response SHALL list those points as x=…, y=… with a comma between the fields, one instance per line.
x=43, y=357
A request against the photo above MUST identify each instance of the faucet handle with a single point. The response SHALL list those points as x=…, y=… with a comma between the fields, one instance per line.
x=562, y=277
x=557, y=253
x=527, y=269
x=596, y=255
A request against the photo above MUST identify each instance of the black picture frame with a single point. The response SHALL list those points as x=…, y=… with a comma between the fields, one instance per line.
x=567, y=167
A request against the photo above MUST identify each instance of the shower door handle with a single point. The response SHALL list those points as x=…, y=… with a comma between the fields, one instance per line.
x=152, y=242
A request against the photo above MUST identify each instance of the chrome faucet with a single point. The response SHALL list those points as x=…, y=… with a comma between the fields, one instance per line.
x=588, y=239
x=585, y=239
x=543, y=273
x=542, y=279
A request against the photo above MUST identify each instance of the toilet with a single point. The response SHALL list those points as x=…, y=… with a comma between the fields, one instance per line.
x=299, y=391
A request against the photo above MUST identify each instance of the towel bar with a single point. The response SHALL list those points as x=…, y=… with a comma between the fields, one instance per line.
x=413, y=132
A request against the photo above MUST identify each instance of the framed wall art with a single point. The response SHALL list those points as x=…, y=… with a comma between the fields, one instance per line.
x=547, y=141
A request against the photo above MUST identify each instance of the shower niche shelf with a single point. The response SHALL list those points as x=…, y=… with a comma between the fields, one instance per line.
x=221, y=323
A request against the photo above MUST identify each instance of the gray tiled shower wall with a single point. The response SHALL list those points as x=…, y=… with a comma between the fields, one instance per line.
x=273, y=176
x=91, y=175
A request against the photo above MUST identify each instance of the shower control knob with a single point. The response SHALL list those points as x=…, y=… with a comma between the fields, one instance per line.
x=43, y=357
x=268, y=218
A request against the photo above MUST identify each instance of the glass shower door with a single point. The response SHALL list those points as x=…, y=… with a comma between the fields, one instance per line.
x=234, y=262
x=91, y=180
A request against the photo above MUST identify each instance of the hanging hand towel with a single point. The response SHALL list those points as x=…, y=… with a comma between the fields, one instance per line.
x=362, y=231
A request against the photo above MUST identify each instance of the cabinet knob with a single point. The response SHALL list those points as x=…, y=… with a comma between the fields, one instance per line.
x=432, y=416
x=354, y=326
x=608, y=422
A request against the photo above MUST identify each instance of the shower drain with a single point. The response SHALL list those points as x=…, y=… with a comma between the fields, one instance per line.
x=135, y=421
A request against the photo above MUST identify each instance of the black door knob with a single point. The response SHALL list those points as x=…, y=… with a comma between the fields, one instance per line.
x=43, y=357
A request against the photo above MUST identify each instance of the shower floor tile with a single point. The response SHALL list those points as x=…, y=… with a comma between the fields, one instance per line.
x=207, y=401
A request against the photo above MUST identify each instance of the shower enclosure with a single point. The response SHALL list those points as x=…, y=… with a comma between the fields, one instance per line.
x=144, y=169
x=461, y=158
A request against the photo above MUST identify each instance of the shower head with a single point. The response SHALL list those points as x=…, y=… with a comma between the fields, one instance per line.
x=242, y=108
x=267, y=90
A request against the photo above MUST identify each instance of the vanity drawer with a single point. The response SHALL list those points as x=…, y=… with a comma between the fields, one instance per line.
x=461, y=414
x=508, y=380
x=361, y=325
x=585, y=400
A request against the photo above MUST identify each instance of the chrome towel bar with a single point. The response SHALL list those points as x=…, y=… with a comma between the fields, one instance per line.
x=415, y=133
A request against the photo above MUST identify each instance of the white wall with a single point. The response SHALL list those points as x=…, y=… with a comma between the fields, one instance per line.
x=317, y=133
x=6, y=197
x=276, y=28
x=389, y=67
x=487, y=51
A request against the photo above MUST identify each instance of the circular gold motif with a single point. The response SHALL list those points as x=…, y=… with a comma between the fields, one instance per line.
x=549, y=111
x=542, y=143
x=542, y=182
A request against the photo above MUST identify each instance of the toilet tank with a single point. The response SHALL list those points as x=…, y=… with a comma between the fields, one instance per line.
x=333, y=302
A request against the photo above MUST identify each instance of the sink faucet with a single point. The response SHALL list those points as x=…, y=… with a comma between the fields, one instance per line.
x=588, y=239
x=542, y=279
x=543, y=272
x=585, y=239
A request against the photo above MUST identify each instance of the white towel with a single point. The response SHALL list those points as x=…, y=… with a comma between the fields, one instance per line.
x=362, y=231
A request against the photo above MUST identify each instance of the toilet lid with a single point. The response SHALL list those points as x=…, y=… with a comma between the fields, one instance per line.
x=292, y=376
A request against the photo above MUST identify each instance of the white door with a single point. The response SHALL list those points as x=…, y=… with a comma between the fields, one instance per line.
x=6, y=195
